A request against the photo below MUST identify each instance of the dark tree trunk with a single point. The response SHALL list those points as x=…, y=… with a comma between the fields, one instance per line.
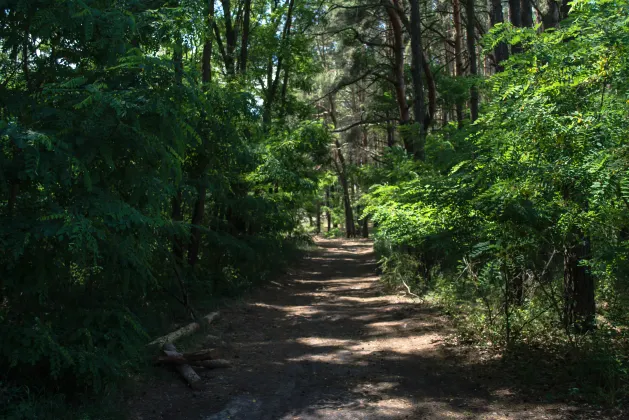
x=579, y=303
x=318, y=216
x=471, y=50
x=564, y=10
x=177, y=216
x=550, y=19
x=398, y=70
x=515, y=14
x=390, y=135
x=458, y=54
x=526, y=9
x=273, y=82
x=327, y=212
x=230, y=38
x=432, y=93
x=244, y=45
x=195, y=230
x=515, y=17
x=419, y=105
x=501, y=52
x=206, y=61
x=365, y=227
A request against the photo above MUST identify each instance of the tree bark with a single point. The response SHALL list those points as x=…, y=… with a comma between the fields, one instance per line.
x=501, y=52
x=244, y=44
x=398, y=68
x=230, y=38
x=515, y=17
x=417, y=59
x=206, y=61
x=471, y=49
x=579, y=303
x=318, y=216
x=184, y=370
x=458, y=54
x=341, y=170
x=327, y=203
x=273, y=82
x=184, y=331
x=550, y=19
x=195, y=230
x=526, y=10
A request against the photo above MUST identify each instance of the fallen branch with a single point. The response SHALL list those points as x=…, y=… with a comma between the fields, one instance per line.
x=184, y=370
x=409, y=290
x=184, y=331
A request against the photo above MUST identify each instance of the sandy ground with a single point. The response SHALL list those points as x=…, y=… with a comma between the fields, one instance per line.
x=327, y=343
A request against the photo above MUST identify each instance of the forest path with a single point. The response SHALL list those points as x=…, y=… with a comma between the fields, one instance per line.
x=327, y=343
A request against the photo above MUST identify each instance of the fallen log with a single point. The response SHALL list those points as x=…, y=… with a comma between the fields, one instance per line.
x=184, y=331
x=184, y=370
x=204, y=354
x=212, y=364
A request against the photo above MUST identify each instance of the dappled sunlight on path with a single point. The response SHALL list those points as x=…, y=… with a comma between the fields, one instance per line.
x=327, y=343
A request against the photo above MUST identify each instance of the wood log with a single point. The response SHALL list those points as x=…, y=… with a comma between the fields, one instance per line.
x=174, y=357
x=184, y=331
x=204, y=354
x=212, y=364
x=184, y=370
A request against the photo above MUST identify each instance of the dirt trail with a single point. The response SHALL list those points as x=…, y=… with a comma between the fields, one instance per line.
x=327, y=344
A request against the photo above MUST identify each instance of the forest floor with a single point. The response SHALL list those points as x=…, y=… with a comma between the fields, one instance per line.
x=326, y=342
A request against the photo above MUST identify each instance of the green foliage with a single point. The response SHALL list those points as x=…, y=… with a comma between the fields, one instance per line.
x=115, y=162
x=488, y=222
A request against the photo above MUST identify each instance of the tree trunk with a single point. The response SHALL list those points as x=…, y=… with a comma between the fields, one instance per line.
x=230, y=38
x=458, y=54
x=398, y=70
x=195, y=230
x=318, y=217
x=501, y=52
x=515, y=17
x=206, y=61
x=327, y=203
x=564, y=10
x=341, y=170
x=550, y=19
x=471, y=49
x=579, y=303
x=526, y=10
x=365, y=227
x=390, y=135
x=245, y=37
x=419, y=105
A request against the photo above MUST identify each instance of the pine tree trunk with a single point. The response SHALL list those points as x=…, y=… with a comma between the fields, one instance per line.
x=327, y=212
x=419, y=105
x=244, y=44
x=471, y=50
x=501, y=52
x=526, y=10
x=579, y=302
x=398, y=70
x=318, y=217
x=458, y=54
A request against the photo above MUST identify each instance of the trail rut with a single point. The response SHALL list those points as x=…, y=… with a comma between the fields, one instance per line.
x=327, y=343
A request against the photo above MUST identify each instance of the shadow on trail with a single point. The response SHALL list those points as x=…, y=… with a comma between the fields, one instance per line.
x=328, y=344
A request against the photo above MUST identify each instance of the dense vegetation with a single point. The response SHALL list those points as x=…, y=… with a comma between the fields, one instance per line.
x=156, y=155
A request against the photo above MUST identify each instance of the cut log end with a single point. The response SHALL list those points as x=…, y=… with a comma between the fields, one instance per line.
x=184, y=370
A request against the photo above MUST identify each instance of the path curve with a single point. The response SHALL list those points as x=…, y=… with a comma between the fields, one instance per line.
x=326, y=343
